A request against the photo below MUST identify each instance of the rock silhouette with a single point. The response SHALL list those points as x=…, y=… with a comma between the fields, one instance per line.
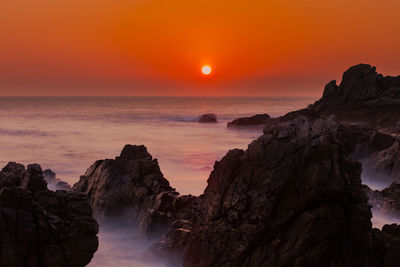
x=259, y=119
x=208, y=118
x=132, y=186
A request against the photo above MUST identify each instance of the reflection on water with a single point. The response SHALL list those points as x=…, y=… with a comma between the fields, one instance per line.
x=67, y=134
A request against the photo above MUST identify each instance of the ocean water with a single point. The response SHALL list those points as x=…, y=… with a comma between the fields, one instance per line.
x=67, y=134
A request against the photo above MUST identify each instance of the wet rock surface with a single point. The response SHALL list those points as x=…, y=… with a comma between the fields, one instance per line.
x=208, y=118
x=259, y=119
x=39, y=227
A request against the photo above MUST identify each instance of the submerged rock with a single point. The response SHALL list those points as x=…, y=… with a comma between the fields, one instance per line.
x=39, y=227
x=259, y=119
x=207, y=118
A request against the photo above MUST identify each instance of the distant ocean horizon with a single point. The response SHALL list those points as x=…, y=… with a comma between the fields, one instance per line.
x=68, y=133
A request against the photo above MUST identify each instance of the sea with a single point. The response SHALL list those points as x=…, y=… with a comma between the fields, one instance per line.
x=67, y=134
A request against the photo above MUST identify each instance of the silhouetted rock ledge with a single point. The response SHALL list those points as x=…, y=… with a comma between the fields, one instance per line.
x=363, y=97
x=208, y=118
x=41, y=228
x=132, y=186
x=259, y=119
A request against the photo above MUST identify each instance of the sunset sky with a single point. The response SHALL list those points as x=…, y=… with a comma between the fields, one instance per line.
x=145, y=47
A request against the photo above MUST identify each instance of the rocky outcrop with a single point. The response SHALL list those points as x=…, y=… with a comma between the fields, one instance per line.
x=293, y=198
x=259, y=119
x=39, y=227
x=363, y=97
x=54, y=183
x=208, y=118
x=132, y=186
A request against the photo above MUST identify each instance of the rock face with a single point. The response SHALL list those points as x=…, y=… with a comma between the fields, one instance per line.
x=133, y=186
x=39, y=227
x=53, y=183
x=259, y=119
x=364, y=96
x=363, y=87
x=293, y=198
x=208, y=118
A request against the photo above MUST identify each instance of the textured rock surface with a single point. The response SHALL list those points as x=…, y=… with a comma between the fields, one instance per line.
x=259, y=119
x=133, y=186
x=293, y=198
x=39, y=227
x=206, y=118
x=364, y=97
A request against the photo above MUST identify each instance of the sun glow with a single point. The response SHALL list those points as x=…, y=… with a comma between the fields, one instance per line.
x=206, y=70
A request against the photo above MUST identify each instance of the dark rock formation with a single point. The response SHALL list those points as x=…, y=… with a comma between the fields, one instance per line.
x=259, y=119
x=363, y=97
x=133, y=186
x=208, y=118
x=293, y=198
x=39, y=227
x=54, y=183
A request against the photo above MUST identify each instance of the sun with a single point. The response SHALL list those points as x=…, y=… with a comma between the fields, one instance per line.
x=206, y=70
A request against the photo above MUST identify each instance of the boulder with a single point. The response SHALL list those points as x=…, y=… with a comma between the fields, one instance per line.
x=207, y=118
x=259, y=119
x=39, y=227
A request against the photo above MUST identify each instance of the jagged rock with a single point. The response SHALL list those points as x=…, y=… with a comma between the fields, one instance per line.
x=207, y=118
x=54, y=183
x=293, y=198
x=43, y=228
x=258, y=119
x=12, y=173
x=363, y=97
x=133, y=186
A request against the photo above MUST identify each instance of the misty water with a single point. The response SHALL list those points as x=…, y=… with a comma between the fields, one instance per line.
x=67, y=134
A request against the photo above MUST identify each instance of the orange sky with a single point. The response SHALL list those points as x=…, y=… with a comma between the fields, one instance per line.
x=145, y=47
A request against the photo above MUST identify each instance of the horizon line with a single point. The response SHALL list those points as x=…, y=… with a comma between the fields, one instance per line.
x=183, y=96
